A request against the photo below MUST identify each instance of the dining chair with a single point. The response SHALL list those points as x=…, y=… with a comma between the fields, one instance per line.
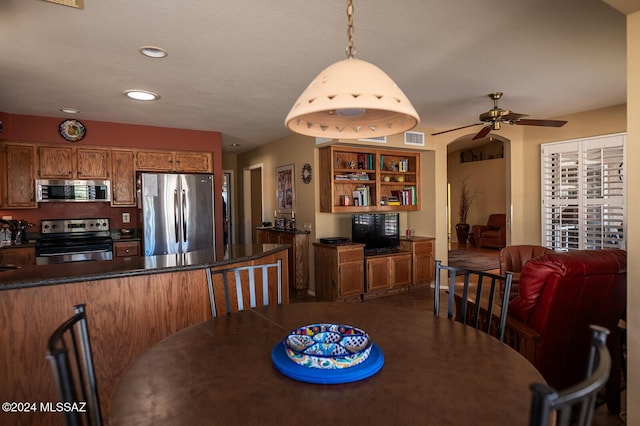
x=474, y=295
x=236, y=289
x=69, y=351
x=574, y=405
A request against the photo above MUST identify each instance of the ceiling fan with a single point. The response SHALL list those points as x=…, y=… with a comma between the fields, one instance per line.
x=496, y=116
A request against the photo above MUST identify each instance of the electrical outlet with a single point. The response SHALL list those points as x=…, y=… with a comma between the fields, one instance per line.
x=126, y=218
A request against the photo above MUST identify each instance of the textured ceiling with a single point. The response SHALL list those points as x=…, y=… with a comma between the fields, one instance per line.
x=238, y=66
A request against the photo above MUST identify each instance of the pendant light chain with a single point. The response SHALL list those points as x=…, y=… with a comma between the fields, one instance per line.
x=351, y=50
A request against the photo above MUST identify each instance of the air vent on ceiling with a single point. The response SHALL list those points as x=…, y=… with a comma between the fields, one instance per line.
x=78, y=4
x=414, y=138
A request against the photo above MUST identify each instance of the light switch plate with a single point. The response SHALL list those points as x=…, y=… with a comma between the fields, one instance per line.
x=126, y=218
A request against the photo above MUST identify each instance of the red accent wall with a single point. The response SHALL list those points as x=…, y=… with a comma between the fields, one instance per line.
x=37, y=129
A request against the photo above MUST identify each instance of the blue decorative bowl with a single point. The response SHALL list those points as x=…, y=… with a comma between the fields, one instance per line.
x=328, y=346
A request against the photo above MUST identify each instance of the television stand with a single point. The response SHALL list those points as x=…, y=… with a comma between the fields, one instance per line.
x=380, y=250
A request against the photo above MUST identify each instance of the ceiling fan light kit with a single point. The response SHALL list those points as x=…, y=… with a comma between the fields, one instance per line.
x=494, y=118
x=352, y=99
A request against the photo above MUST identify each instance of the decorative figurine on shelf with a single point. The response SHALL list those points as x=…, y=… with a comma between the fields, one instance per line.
x=352, y=164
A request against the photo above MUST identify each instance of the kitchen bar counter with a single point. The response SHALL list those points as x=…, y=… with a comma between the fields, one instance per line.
x=44, y=275
x=132, y=304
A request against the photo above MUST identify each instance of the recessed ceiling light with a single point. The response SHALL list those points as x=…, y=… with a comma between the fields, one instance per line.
x=69, y=110
x=235, y=144
x=153, y=52
x=141, y=95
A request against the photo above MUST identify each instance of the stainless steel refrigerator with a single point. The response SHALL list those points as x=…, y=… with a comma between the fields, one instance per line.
x=177, y=212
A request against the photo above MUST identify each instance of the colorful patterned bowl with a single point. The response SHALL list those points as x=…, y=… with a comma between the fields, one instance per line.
x=328, y=346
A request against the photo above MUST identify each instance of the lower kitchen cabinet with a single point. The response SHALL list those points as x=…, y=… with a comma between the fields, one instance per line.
x=298, y=253
x=18, y=256
x=126, y=248
x=339, y=271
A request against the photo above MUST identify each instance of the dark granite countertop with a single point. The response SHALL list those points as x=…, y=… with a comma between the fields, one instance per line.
x=42, y=275
x=284, y=230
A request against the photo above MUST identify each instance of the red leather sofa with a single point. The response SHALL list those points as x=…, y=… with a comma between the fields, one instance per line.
x=560, y=295
x=493, y=234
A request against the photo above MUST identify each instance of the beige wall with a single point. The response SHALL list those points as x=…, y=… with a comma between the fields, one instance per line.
x=633, y=215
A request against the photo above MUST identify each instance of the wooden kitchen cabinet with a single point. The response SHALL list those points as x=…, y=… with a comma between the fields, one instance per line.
x=388, y=271
x=126, y=248
x=123, y=181
x=298, y=253
x=192, y=162
x=65, y=162
x=339, y=271
x=18, y=176
x=92, y=163
x=18, y=256
x=421, y=249
x=55, y=162
x=154, y=160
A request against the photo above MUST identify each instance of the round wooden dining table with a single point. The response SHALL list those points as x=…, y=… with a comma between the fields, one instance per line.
x=436, y=372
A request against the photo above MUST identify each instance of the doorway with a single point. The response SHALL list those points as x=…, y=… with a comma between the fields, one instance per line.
x=483, y=167
x=228, y=227
x=252, y=202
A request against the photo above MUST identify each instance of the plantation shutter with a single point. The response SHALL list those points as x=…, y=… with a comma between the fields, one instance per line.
x=583, y=193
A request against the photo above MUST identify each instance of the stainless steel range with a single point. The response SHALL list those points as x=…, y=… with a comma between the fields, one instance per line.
x=74, y=240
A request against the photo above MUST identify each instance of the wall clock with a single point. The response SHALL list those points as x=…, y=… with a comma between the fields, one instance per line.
x=72, y=130
x=306, y=173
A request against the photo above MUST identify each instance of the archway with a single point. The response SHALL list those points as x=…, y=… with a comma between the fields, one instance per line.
x=483, y=165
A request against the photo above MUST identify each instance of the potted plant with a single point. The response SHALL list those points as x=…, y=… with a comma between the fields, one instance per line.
x=466, y=199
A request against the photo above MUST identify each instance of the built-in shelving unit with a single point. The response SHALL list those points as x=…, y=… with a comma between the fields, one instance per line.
x=359, y=179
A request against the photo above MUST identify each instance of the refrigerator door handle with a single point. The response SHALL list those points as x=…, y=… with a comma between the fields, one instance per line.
x=184, y=218
x=176, y=215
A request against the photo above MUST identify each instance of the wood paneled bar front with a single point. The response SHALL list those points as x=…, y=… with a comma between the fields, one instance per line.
x=132, y=304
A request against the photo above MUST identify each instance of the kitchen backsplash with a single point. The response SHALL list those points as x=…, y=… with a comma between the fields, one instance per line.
x=74, y=211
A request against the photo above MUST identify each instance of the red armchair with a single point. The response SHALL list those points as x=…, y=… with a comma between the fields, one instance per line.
x=513, y=259
x=560, y=295
x=493, y=234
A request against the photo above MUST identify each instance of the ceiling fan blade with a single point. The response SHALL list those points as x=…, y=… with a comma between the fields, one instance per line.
x=457, y=128
x=513, y=116
x=482, y=133
x=548, y=123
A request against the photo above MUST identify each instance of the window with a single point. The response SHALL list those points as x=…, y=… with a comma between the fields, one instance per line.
x=583, y=193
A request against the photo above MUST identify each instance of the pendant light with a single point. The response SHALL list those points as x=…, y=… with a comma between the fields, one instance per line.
x=352, y=99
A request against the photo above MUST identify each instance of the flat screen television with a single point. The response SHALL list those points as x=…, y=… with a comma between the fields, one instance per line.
x=379, y=232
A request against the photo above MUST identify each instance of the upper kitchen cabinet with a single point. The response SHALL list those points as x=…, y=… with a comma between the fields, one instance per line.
x=193, y=161
x=154, y=160
x=173, y=161
x=17, y=179
x=92, y=163
x=64, y=162
x=55, y=162
x=123, y=183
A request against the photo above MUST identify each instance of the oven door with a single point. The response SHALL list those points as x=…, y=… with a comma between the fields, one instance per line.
x=48, y=253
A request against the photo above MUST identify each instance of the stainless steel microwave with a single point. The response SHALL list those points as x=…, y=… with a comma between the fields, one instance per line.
x=73, y=190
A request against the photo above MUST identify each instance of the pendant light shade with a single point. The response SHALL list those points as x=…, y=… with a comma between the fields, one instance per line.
x=352, y=99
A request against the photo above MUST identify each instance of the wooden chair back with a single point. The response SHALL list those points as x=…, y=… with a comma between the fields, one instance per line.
x=235, y=289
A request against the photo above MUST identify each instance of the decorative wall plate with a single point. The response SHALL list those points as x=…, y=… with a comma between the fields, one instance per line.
x=72, y=130
x=306, y=173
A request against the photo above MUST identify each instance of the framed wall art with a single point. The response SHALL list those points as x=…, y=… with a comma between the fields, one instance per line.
x=284, y=188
